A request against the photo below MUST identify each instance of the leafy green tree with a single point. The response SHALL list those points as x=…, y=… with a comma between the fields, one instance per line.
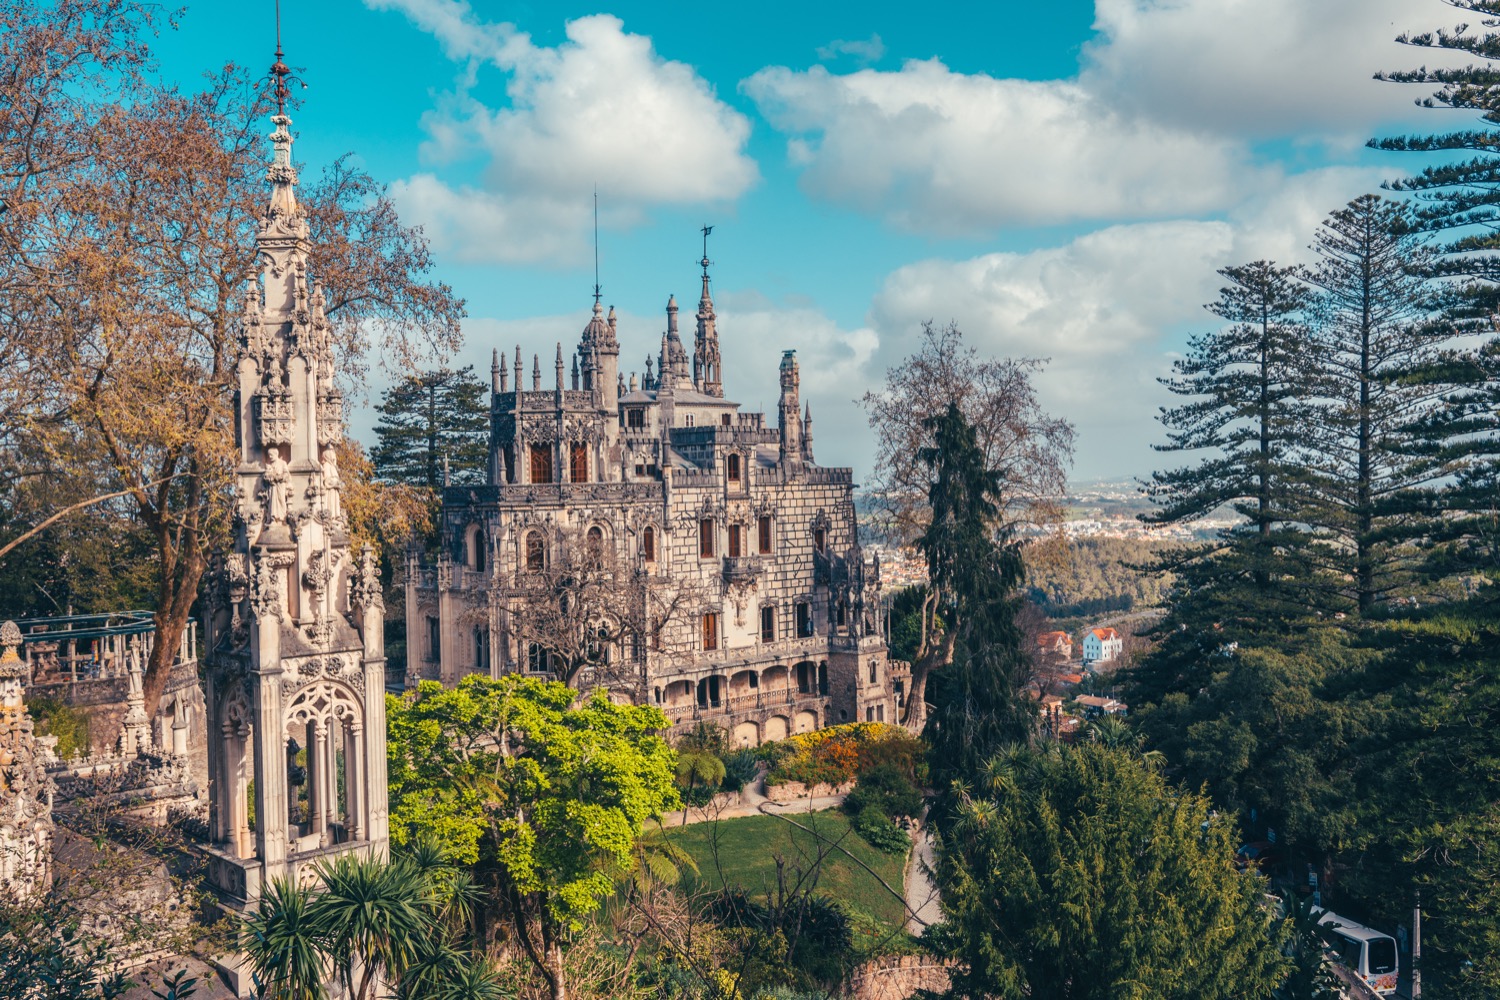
x=1377, y=340
x=699, y=775
x=556, y=792
x=1427, y=794
x=973, y=568
x=431, y=420
x=1078, y=873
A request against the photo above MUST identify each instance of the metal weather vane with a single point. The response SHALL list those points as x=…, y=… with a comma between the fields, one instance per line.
x=281, y=74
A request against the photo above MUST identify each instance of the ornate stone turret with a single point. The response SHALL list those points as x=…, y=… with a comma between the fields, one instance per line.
x=135, y=733
x=25, y=788
x=674, y=362
x=707, y=374
x=296, y=646
x=790, y=420
x=600, y=351
x=807, y=454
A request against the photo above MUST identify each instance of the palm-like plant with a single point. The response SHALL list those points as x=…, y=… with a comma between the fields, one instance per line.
x=373, y=917
x=698, y=769
x=285, y=945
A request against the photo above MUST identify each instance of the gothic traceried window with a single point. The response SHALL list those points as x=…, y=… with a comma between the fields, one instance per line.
x=536, y=552
x=541, y=463
x=578, y=463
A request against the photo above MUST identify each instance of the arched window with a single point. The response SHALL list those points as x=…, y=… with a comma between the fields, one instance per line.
x=765, y=535
x=820, y=539
x=536, y=552
x=594, y=544
x=648, y=544
x=706, y=539
x=476, y=549
x=732, y=463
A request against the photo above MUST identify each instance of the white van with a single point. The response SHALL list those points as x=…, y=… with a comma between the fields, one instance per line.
x=1367, y=953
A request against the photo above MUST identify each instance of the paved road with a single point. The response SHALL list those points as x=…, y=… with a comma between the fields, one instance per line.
x=921, y=895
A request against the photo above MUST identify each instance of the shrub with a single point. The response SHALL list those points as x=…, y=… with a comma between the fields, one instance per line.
x=840, y=753
x=879, y=832
x=70, y=726
x=886, y=788
x=739, y=768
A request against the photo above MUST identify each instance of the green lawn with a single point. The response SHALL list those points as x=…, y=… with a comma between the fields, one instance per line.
x=743, y=852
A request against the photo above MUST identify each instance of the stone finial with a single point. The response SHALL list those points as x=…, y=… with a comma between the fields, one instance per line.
x=495, y=370
x=11, y=664
x=536, y=372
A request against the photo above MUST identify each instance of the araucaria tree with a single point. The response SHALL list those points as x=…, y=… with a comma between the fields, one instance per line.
x=1079, y=873
x=431, y=425
x=969, y=615
x=127, y=237
x=1245, y=421
x=1376, y=344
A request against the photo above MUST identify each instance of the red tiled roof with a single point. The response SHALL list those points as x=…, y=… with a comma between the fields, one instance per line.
x=1105, y=633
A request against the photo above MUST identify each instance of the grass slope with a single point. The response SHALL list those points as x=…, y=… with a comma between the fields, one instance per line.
x=742, y=852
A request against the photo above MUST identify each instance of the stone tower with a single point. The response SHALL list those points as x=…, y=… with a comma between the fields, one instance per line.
x=25, y=787
x=296, y=668
x=707, y=373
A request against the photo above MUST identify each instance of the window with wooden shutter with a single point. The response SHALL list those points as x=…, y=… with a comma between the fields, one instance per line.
x=648, y=544
x=711, y=630
x=578, y=462
x=734, y=541
x=705, y=539
x=765, y=536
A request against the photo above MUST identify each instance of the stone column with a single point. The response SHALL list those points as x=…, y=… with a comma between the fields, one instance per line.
x=354, y=781
x=317, y=778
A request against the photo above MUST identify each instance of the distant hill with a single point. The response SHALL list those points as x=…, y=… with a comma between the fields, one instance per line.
x=1093, y=575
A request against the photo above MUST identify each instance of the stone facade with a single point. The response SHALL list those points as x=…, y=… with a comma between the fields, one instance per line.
x=295, y=664
x=26, y=827
x=753, y=605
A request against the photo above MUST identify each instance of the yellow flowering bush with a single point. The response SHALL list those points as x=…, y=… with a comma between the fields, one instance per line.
x=840, y=753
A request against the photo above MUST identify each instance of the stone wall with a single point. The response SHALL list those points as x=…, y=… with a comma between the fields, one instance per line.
x=896, y=977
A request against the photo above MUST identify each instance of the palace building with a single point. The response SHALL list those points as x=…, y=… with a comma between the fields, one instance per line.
x=652, y=537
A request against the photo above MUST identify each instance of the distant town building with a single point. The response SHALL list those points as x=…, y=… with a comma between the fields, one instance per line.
x=1095, y=706
x=1055, y=644
x=1100, y=645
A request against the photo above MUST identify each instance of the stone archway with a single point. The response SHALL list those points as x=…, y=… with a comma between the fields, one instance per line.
x=747, y=734
x=805, y=721
x=776, y=728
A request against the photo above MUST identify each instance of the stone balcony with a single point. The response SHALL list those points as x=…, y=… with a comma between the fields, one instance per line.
x=741, y=569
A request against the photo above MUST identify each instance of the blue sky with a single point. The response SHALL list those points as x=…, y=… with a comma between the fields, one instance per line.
x=1062, y=180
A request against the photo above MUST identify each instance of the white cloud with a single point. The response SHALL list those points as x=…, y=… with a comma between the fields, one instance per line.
x=938, y=151
x=865, y=50
x=1162, y=120
x=602, y=109
x=1262, y=67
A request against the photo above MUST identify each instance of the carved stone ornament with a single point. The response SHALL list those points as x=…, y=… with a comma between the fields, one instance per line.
x=320, y=632
x=276, y=490
x=265, y=592
x=11, y=664
x=364, y=585
x=316, y=575
x=330, y=417
x=272, y=404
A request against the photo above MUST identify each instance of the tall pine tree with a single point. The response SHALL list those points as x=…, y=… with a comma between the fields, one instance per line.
x=1459, y=199
x=974, y=567
x=1377, y=341
x=427, y=419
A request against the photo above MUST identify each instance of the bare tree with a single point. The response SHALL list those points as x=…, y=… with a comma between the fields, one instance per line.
x=596, y=618
x=1032, y=449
